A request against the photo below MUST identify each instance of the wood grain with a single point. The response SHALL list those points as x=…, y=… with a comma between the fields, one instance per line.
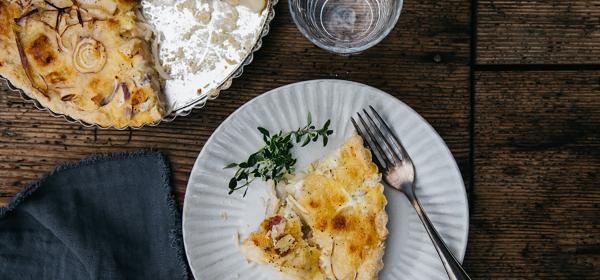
x=423, y=62
x=536, y=201
x=538, y=32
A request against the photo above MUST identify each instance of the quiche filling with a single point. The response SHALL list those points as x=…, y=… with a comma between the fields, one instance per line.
x=91, y=60
x=329, y=223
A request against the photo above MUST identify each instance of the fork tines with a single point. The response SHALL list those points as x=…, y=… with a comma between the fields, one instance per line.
x=380, y=139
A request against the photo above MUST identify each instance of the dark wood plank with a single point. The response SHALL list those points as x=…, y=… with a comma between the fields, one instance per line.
x=538, y=32
x=423, y=62
x=536, y=200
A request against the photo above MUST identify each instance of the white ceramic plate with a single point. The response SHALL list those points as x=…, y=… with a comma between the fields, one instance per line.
x=212, y=219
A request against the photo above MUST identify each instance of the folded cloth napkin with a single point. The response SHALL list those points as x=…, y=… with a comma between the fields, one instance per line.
x=105, y=217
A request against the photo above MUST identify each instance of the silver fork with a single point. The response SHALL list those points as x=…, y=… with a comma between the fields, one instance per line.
x=399, y=173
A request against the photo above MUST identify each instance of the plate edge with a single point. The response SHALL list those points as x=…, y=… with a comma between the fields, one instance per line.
x=462, y=251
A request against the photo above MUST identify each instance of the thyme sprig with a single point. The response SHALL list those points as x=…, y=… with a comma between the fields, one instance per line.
x=275, y=160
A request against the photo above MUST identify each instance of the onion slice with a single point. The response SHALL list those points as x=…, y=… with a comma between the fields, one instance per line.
x=128, y=112
x=67, y=97
x=89, y=56
x=126, y=93
x=20, y=19
x=331, y=258
x=109, y=98
x=25, y=63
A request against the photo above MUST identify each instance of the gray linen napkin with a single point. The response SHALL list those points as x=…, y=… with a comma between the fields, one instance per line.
x=105, y=217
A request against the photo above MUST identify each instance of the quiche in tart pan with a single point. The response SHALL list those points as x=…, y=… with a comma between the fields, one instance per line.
x=88, y=59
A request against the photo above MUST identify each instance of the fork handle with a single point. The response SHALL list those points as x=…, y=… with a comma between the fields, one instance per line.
x=452, y=266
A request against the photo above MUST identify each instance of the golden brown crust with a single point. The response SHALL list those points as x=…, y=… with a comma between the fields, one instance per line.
x=350, y=214
x=91, y=62
x=42, y=51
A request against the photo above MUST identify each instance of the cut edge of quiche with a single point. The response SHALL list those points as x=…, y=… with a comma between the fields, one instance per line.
x=329, y=223
x=89, y=60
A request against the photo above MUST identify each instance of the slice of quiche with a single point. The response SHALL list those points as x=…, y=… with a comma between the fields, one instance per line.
x=281, y=241
x=341, y=206
x=90, y=60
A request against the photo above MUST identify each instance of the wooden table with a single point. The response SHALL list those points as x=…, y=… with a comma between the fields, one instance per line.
x=513, y=87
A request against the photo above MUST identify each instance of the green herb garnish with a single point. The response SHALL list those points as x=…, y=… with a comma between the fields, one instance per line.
x=275, y=159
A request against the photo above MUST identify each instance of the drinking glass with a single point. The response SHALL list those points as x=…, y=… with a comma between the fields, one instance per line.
x=345, y=26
